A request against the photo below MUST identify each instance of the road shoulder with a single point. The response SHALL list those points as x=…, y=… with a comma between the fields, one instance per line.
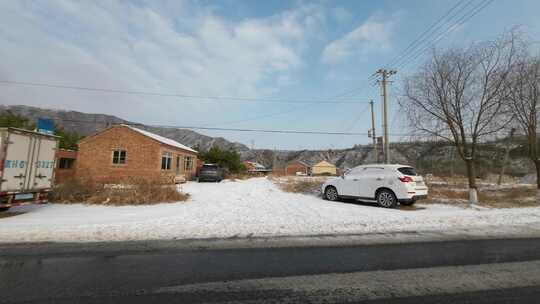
x=149, y=246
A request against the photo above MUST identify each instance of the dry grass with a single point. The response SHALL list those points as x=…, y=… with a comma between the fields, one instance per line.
x=126, y=192
x=238, y=176
x=450, y=191
x=462, y=181
x=5, y=214
x=305, y=185
x=488, y=196
x=509, y=197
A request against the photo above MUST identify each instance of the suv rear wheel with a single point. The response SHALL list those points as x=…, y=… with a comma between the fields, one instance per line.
x=386, y=198
x=331, y=194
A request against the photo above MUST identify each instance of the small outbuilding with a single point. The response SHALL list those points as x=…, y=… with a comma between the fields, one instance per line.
x=255, y=168
x=65, y=165
x=323, y=168
x=297, y=167
x=123, y=151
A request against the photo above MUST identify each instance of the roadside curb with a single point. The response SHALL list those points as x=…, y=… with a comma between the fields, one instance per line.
x=261, y=242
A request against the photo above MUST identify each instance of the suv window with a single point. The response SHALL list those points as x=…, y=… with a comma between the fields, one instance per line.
x=373, y=171
x=407, y=171
x=209, y=168
x=354, y=171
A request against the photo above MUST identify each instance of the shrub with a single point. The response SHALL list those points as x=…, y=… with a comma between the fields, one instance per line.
x=238, y=176
x=305, y=185
x=489, y=196
x=130, y=191
x=9, y=119
x=227, y=159
x=68, y=139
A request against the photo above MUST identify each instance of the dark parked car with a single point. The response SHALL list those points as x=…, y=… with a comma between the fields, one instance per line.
x=210, y=173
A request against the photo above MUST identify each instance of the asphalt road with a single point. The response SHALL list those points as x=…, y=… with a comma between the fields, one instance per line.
x=480, y=271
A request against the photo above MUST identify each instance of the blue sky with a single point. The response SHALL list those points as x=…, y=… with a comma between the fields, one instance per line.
x=287, y=50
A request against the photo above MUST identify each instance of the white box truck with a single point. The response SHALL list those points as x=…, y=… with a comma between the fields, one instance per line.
x=27, y=166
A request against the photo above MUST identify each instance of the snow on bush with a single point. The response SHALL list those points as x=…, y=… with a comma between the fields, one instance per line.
x=256, y=207
x=300, y=184
x=130, y=191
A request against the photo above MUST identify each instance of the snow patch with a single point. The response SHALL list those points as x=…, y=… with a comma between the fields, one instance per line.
x=254, y=207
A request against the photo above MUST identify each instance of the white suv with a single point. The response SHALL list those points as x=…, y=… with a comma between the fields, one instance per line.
x=386, y=184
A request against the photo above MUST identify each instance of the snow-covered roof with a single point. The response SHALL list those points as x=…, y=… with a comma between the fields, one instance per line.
x=256, y=164
x=391, y=166
x=161, y=139
x=300, y=162
x=323, y=163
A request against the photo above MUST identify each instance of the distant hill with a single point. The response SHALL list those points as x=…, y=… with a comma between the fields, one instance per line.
x=427, y=157
x=86, y=123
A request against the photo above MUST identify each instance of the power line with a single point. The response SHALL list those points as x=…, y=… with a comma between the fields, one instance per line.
x=201, y=97
x=350, y=92
x=264, y=116
x=353, y=123
x=231, y=129
x=438, y=31
x=261, y=116
x=261, y=130
x=479, y=7
x=296, y=109
x=426, y=32
x=410, y=48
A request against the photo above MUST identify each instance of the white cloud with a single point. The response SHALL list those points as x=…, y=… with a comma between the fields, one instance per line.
x=172, y=47
x=372, y=36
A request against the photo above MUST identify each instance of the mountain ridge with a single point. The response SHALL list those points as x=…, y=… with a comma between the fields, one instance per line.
x=88, y=123
x=428, y=157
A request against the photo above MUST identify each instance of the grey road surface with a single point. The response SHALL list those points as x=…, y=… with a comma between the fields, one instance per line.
x=475, y=271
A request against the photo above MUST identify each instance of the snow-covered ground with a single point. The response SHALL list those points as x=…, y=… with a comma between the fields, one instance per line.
x=254, y=207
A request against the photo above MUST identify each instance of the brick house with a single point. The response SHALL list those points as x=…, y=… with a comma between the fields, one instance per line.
x=122, y=151
x=255, y=168
x=297, y=167
x=65, y=165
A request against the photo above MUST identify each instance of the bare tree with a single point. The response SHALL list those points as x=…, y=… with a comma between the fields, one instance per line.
x=523, y=89
x=458, y=96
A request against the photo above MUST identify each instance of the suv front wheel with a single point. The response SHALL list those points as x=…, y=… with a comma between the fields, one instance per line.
x=331, y=194
x=386, y=198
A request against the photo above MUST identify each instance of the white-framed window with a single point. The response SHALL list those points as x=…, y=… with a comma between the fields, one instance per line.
x=188, y=163
x=166, y=160
x=119, y=157
x=178, y=164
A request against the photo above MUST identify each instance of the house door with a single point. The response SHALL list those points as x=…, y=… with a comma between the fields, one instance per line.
x=177, y=164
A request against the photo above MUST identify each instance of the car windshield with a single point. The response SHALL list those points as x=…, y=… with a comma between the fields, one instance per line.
x=209, y=168
x=407, y=171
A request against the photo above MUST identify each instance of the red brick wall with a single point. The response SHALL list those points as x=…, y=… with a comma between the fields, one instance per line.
x=60, y=174
x=143, y=156
x=294, y=167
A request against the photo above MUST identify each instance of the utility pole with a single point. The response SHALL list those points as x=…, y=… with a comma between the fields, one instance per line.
x=372, y=133
x=274, y=163
x=506, y=155
x=385, y=74
x=453, y=160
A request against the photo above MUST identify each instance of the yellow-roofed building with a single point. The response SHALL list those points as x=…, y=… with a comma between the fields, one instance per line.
x=324, y=168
